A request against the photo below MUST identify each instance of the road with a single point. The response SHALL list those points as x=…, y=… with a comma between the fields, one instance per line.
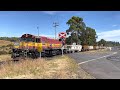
x=100, y=64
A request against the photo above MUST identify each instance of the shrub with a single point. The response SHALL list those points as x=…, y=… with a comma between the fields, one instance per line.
x=10, y=52
x=3, y=52
x=9, y=45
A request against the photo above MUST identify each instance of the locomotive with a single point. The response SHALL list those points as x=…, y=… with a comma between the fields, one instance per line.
x=34, y=46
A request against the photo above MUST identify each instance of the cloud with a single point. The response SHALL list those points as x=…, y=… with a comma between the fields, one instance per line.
x=54, y=12
x=50, y=12
x=114, y=25
x=113, y=35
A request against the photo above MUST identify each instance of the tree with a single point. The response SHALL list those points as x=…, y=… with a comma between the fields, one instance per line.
x=91, y=36
x=88, y=36
x=112, y=43
x=12, y=39
x=80, y=33
x=102, y=42
x=76, y=26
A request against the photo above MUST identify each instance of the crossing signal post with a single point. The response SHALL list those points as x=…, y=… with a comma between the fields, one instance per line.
x=62, y=37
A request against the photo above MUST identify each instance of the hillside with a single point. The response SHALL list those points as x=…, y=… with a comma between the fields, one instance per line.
x=4, y=42
x=5, y=47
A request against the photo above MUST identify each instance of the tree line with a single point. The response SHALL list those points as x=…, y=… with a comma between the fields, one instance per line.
x=79, y=33
x=108, y=43
x=12, y=39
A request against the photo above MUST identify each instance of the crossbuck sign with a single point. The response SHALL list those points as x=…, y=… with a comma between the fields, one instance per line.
x=62, y=35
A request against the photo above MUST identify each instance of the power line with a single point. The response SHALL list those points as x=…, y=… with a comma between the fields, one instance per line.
x=38, y=31
x=55, y=25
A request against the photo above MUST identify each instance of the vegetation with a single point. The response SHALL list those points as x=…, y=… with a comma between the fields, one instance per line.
x=111, y=43
x=5, y=43
x=61, y=67
x=79, y=33
x=102, y=42
x=5, y=47
x=12, y=39
x=5, y=57
x=88, y=36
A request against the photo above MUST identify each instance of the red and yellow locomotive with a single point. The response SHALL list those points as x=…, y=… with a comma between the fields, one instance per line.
x=31, y=46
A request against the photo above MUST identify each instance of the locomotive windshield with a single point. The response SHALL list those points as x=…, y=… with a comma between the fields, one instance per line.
x=30, y=40
x=27, y=39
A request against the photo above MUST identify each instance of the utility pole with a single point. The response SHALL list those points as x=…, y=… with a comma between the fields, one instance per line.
x=38, y=31
x=55, y=25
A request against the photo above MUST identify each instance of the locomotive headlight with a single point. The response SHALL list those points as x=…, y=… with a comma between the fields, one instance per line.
x=16, y=45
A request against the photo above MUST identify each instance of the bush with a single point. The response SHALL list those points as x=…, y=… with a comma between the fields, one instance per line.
x=10, y=52
x=3, y=52
x=9, y=45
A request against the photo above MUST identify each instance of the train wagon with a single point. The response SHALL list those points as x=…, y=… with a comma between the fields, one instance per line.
x=95, y=47
x=85, y=48
x=90, y=47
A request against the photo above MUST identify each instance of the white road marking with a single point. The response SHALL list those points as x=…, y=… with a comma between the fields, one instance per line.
x=116, y=67
x=97, y=58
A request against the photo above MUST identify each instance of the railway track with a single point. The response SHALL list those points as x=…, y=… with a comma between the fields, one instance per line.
x=7, y=62
x=18, y=59
x=15, y=60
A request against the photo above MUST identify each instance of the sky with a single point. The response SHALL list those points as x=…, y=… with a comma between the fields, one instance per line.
x=16, y=23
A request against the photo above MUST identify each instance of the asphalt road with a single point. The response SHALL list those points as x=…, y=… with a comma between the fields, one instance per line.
x=100, y=64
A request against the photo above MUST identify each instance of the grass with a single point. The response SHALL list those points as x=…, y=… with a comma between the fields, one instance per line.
x=5, y=57
x=59, y=67
x=4, y=43
x=5, y=47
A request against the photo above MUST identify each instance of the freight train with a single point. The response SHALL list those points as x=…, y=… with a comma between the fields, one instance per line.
x=35, y=46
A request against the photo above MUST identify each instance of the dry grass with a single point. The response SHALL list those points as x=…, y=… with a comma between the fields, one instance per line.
x=60, y=67
x=5, y=57
x=57, y=68
x=4, y=42
x=5, y=47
